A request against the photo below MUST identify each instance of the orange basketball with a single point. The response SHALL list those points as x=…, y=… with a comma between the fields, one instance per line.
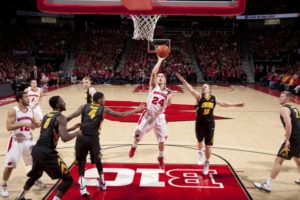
x=162, y=51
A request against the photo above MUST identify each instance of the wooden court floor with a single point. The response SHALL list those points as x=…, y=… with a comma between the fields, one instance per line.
x=249, y=140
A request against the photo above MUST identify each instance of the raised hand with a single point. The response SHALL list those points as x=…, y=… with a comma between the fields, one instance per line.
x=179, y=76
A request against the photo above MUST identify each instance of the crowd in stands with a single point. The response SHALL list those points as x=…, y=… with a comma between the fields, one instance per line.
x=267, y=44
x=52, y=41
x=99, y=53
x=282, y=78
x=218, y=56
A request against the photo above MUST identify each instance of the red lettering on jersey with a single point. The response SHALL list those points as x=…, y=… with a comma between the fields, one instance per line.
x=24, y=118
x=160, y=93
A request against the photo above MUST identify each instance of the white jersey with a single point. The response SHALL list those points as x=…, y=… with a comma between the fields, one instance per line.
x=34, y=96
x=23, y=118
x=157, y=100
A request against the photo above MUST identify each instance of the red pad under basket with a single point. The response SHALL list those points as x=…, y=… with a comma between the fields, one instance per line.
x=138, y=5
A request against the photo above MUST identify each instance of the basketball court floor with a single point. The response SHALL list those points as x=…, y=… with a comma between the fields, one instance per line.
x=246, y=140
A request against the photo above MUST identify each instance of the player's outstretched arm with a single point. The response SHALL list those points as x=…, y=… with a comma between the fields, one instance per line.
x=286, y=115
x=228, y=104
x=123, y=114
x=76, y=113
x=62, y=129
x=195, y=94
x=154, y=72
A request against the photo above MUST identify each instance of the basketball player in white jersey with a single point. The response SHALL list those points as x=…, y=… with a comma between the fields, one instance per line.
x=90, y=90
x=20, y=122
x=153, y=117
x=35, y=94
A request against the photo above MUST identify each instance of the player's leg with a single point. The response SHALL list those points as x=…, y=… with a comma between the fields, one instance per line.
x=209, y=138
x=81, y=151
x=27, y=157
x=35, y=173
x=56, y=168
x=161, y=134
x=96, y=159
x=10, y=162
x=145, y=124
x=283, y=154
x=200, y=137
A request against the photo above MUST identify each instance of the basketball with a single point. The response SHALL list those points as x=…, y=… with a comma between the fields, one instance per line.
x=162, y=51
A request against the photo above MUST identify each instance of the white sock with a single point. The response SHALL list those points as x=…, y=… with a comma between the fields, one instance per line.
x=201, y=152
x=82, y=181
x=269, y=181
x=56, y=198
x=161, y=154
x=102, y=178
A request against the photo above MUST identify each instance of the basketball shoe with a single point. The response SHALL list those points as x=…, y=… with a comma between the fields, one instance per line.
x=101, y=183
x=3, y=191
x=263, y=186
x=83, y=190
x=206, y=168
x=132, y=151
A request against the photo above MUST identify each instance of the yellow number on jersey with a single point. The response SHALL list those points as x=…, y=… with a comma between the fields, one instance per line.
x=46, y=124
x=297, y=112
x=92, y=113
x=206, y=111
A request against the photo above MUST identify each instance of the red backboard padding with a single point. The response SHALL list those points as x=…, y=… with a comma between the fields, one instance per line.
x=239, y=8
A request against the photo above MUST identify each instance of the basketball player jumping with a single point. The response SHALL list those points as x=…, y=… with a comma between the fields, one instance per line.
x=290, y=149
x=153, y=117
x=20, y=122
x=92, y=116
x=35, y=94
x=205, y=123
x=45, y=157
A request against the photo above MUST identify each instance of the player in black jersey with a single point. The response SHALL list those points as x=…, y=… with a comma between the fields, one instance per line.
x=45, y=157
x=90, y=90
x=290, y=149
x=205, y=123
x=92, y=116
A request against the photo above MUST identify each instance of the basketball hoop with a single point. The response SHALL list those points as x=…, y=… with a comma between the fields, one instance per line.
x=144, y=26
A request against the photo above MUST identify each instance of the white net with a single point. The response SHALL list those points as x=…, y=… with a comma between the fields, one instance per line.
x=144, y=26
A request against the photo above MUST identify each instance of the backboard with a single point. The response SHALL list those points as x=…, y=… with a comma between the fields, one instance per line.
x=145, y=7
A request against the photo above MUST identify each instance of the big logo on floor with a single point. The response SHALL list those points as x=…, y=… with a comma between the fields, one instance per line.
x=174, y=112
x=146, y=181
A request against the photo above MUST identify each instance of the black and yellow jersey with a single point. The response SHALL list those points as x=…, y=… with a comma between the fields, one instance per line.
x=49, y=131
x=295, y=119
x=205, y=108
x=91, y=119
